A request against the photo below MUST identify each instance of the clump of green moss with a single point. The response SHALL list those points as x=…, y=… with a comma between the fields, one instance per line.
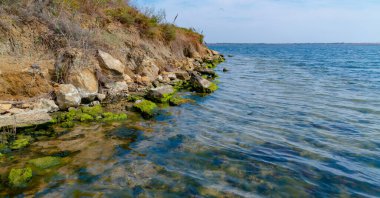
x=145, y=107
x=212, y=88
x=87, y=114
x=21, y=142
x=134, y=98
x=176, y=101
x=19, y=177
x=108, y=116
x=46, y=162
x=181, y=85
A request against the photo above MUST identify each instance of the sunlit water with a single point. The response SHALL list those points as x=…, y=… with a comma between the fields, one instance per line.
x=287, y=121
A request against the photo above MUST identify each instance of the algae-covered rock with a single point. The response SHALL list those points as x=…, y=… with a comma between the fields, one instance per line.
x=19, y=177
x=68, y=124
x=46, y=162
x=145, y=107
x=21, y=142
x=93, y=111
x=202, y=85
x=176, y=101
x=108, y=116
x=161, y=94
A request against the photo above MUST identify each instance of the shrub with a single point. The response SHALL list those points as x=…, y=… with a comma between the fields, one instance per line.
x=169, y=32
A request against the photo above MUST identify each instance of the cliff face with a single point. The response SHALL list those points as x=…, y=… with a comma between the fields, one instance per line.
x=97, y=46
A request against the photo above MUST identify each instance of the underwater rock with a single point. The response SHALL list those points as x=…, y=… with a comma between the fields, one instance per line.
x=19, y=177
x=46, y=162
x=21, y=142
x=225, y=70
x=176, y=101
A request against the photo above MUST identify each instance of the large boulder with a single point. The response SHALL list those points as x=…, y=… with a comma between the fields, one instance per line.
x=25, y=118
x=85, y=81
x=67, y=96
x=107, y=62
x=161, y=94
x=202, y=85
x=46, y=105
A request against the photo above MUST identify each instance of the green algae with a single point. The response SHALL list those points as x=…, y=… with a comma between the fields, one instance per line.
x=87, y=114
x=19, y=177
x=109, y=117
x=176, y=101
x=146, y=108
x=46, y=162
x=21, y=142
x=134, y=98
x=212, y=88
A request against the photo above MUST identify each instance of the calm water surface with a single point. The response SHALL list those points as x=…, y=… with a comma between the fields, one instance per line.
x=287, y=121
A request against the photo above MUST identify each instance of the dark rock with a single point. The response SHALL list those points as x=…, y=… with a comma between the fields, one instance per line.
x=225, y=70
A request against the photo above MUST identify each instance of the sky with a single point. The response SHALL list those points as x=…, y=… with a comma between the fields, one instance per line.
x=275, y=21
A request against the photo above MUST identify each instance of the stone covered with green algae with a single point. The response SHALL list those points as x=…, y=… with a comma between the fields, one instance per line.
x=87, y=114
x=46, y=162
x=19, y=177
x=21, y=142
x=145, y=107
x=176, y=101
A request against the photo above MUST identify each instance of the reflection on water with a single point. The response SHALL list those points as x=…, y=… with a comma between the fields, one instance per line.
x=288, y=121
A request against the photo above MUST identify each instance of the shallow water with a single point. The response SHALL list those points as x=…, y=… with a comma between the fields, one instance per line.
x=287, y=121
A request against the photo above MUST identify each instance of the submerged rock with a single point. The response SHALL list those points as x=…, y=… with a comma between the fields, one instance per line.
x=46, y=162
x=225, y=70
x=21, y=142
x=176, y=101
x=161, y=94
x=67, y=96
x=19, y=177
x=145, y=107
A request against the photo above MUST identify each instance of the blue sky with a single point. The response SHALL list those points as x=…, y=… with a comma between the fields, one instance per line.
x=276, y=21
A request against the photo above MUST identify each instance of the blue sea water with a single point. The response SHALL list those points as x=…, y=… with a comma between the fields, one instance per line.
x=291, y=120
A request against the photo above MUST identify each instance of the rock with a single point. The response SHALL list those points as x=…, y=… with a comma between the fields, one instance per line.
x=85, y=81
x=148, y=69
x=26, y=106
x=182, y=75
x=67, y=96
x=225, y=70
x=25, y=118
x=94, y=103
x=46, y=162
x=16, y=111
x=108, y=62
x=127, y=78
x=19, y=177
x=202, y=85
x=207, y=71
x=21, y=142
x=145, y=107
x=46, y=105
x=5, y=107
x=213, y=52
x=172, y=76
x=1, y=72
x=161, y=94
x=101, y=97
x=117, y=88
